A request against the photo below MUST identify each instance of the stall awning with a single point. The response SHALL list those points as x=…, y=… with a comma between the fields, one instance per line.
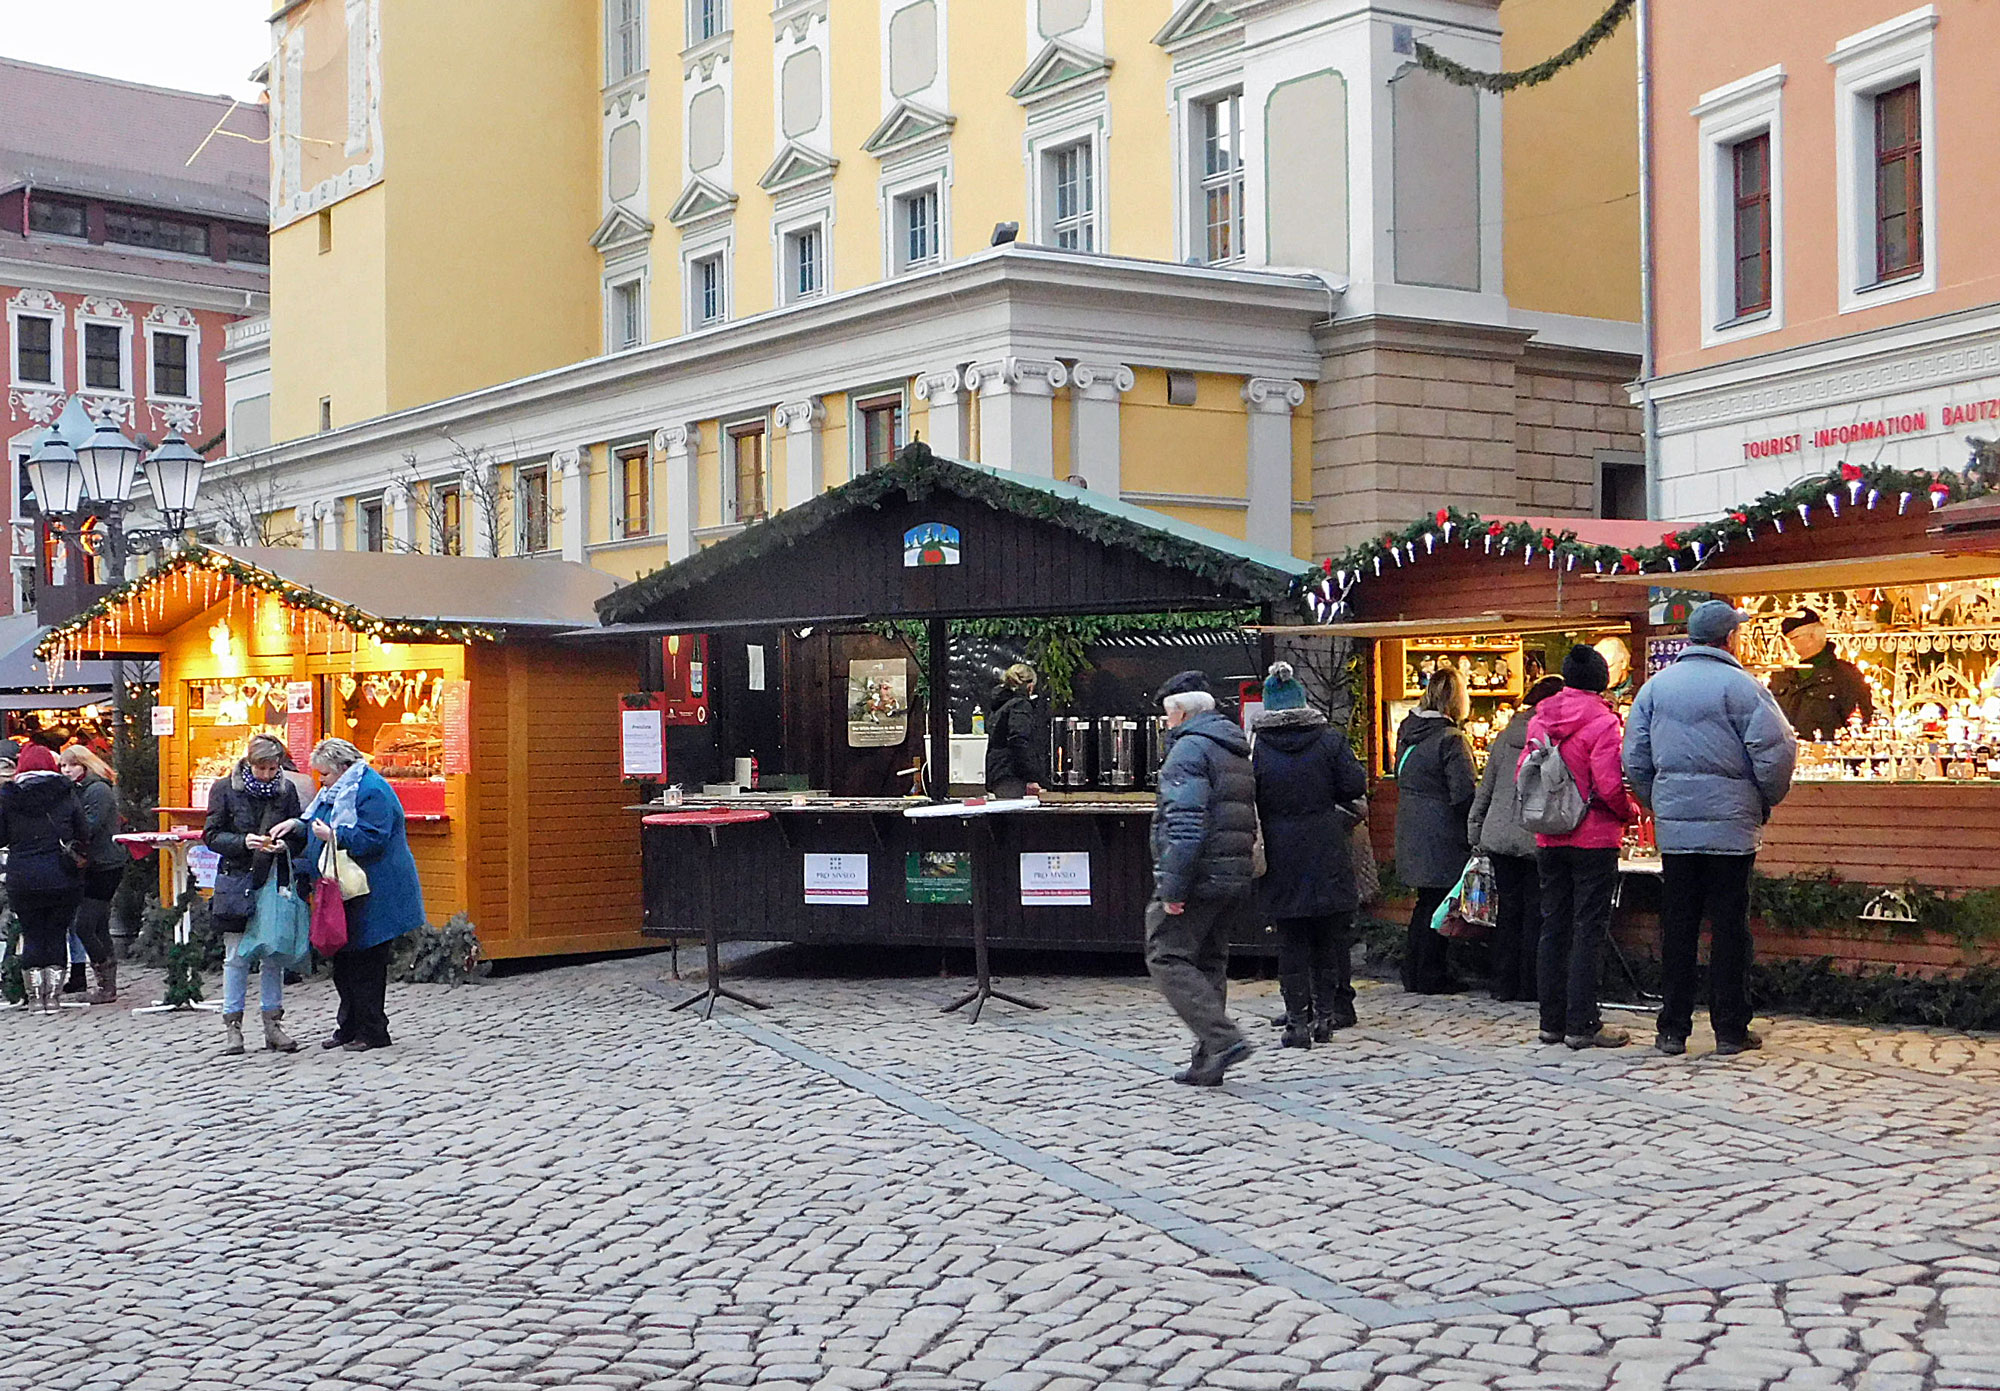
x=1869, y=572
x=1447, y=627
x=23, y=674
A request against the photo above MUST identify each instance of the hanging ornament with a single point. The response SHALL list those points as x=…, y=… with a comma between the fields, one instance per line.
x=1874, y=496
x=1833, y=503
x=1851, y=474
x=1378, y=566
x=1805, y=513
x=1903, y=503
x=1430, y=542
x=1778, y=522
x=1696, y=548
x=1569, y=560
x=1940, y=494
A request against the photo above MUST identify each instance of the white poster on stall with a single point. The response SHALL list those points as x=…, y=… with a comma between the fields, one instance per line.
x=644, y=735
x=756, y=663
x=202, y=864
x=1055, y=877
x=837, y=879
x=163, y=721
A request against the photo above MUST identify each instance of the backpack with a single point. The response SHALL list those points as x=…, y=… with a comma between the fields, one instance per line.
x=1545, y=792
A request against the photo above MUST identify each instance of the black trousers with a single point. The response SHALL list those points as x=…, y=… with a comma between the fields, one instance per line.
x=1716, y=887
x=1576, y=915
x=1517, y=934
x=1426, y=970
x=1315, y=963
x=92, y=924
x=45, y=920
x=361, y=977
x=1187, y=954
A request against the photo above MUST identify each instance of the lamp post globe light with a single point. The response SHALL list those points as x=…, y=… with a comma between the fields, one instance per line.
x=56, y=476
x=74, y=485
x=173, y=472
x=108, y=460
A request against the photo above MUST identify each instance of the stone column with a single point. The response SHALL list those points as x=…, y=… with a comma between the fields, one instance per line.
x=805, y=462
x=678, y=444
x=945, y=391
x=399, y=518
x=1017, y=412
x=478, y=510
x=1095, y=390
x=1271, y=401
x=326, y=523
x=574, y=478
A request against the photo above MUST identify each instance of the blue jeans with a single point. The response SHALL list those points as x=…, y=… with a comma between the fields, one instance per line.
x=236, y=982
x=77, y=955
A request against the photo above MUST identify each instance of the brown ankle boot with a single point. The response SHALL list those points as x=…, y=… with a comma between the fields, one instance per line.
x=276, y=1040
x=106, y=992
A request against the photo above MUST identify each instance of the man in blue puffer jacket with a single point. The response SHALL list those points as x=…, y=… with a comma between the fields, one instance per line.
x=1709, y=751
x=1204, y=831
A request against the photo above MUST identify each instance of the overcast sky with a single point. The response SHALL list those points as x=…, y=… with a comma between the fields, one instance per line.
x=200, y=45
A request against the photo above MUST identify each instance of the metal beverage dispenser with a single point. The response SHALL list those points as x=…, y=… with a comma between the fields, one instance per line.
x=1153, y=732
x=1069, y=751
x=1117, y=740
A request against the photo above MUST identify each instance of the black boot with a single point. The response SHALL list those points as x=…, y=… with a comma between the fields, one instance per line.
x=1334, y=1004
x=1297, y=990
x=78, y=982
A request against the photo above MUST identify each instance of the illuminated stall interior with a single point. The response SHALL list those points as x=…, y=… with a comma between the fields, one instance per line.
x=501, y=744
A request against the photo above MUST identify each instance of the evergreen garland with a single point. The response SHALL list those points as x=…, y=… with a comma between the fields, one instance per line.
x=1682, y=551
x=1607, y=23
x=916, y=473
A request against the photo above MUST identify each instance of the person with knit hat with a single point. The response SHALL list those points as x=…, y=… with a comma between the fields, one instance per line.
x=1306, y=773
x=1579, y=870
x=42, y=826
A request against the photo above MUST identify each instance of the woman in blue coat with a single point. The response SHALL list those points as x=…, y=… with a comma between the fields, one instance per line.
x=1307, y=778
x=359, y=812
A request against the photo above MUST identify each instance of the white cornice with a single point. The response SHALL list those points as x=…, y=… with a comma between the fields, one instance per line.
x=82, y=280
x=1756, y=85
x=1883, y=35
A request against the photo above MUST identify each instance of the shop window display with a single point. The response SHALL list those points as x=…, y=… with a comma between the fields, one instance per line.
x=393, y=717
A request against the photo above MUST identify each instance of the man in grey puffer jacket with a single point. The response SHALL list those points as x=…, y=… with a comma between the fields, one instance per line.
x=1204, y=831
x=1709, y=751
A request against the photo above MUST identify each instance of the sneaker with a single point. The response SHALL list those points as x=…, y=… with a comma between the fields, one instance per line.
x=1208, y=1069
x=1603, y=1038
x=1730, y=1047
x=1670, y=1044
x=1547, y=1036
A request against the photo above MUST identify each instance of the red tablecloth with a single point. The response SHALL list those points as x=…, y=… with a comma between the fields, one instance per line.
x=144, y=843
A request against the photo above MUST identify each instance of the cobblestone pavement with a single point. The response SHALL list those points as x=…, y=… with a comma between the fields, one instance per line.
x=553, y=1181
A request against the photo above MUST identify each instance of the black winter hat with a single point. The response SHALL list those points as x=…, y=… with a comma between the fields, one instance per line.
x=1586, y=670
x=1180, y=683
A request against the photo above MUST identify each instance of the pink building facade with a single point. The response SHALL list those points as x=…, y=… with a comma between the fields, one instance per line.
x=1826, y=284
x=121, y=268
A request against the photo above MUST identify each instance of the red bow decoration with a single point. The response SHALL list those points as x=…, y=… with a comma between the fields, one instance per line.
x=1629, y=563
x=1671, y=540
x=1850, y=473
x=1740, y=518
x=1548, y=543
x=1493, y=529
x=1443, y=516
x=1327, y=565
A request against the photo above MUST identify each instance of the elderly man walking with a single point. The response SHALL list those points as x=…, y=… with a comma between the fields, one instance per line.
x=1204, y=828
x=1709, y=751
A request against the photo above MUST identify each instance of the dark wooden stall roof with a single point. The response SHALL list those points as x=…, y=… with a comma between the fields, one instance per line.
x=1457, y=582
x=1029, y=546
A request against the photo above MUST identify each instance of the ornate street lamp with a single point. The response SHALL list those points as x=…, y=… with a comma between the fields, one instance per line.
x=173, y=472
x=56, y=476
x=94, y=481
x=108, y=460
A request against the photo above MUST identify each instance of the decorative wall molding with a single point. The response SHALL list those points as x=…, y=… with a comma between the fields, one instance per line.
x=41, y=407
x=107, y=407
x=797, y=416
x=35, y=302
x=1058, y=70
x=1279, y=395
x=677, y=439
x=796, y=17
x=1034, y=375
x=171, y=316
x=908, y=127
x=103, y=307
x=1102, y=380
x=935, y=386
x=1832, y=386
x=183, y=418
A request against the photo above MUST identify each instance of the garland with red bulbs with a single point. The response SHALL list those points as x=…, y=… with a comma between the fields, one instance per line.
x=1679, y=551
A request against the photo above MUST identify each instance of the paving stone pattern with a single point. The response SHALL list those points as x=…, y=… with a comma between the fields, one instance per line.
x=553, y=1181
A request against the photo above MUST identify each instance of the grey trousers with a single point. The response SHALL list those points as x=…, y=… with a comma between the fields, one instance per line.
x=1188, y=957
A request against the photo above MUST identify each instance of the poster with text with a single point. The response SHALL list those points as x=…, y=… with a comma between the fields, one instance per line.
x=1055, y=877
x=299, y=720
x=1662, y=653
x=938, y=876
x=837, y=879
x=643, y=739
x=878, y=703
x=163, y=721
x=455, y=714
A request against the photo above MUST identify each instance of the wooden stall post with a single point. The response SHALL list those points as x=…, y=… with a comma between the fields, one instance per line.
x=938, y=706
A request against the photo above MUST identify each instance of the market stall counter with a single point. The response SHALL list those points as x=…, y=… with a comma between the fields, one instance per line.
x=928, y=542
x=443, y=670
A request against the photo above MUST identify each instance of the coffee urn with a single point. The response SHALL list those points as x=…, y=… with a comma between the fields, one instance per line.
x=1153, y=736
x=1117, y=741
x=1069, y=751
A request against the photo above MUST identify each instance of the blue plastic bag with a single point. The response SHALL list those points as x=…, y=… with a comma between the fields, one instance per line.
x=280, y=928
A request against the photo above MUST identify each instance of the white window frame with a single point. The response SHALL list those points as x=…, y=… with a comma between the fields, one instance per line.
x=154, y=333
x=726, y=465
x=857, y=453
x=719, y=9
x=1194, y=166
x=1089, y=222
x=1864, y=66
x=792, y=245
x=1741, y=110
x=722, y=251
x=85, y=322
x=615, y=287
x=614, y=71
x=545, y=469
x=896, y=195
x=55, y=317
x=363, y=506
x=813, y=212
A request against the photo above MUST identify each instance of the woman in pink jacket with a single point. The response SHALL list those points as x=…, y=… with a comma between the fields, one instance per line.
x=1579, y=870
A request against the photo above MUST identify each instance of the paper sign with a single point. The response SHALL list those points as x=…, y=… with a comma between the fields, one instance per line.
x=299, y=720
x=933, y=543
x=202, y=863
x=454, y=700
x=163, y=721
x=643, y=739
x=1055, y=877
x=878, y=703
x=755, y=655
x=938, y=876
x=1662, y=653
x=837, y=879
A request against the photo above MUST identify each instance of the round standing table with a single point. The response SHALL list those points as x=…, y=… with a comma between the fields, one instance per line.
x=711, y=821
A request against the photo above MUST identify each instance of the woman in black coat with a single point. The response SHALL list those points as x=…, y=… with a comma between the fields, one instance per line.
x=1306, y=774
x=104, y=867
x=1015, y=748
x=42, y=827
x=1435, y=786
x=245, y=809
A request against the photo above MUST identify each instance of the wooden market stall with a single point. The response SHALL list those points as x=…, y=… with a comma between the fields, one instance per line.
x=822, y=633
x=501, y=742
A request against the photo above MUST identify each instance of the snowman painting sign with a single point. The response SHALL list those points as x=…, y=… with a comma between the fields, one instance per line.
x=932, y=543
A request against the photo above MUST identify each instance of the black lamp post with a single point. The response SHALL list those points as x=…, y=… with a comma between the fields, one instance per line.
x=74, y=485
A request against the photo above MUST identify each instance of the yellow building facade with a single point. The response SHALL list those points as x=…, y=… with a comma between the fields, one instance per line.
x=614, y=277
